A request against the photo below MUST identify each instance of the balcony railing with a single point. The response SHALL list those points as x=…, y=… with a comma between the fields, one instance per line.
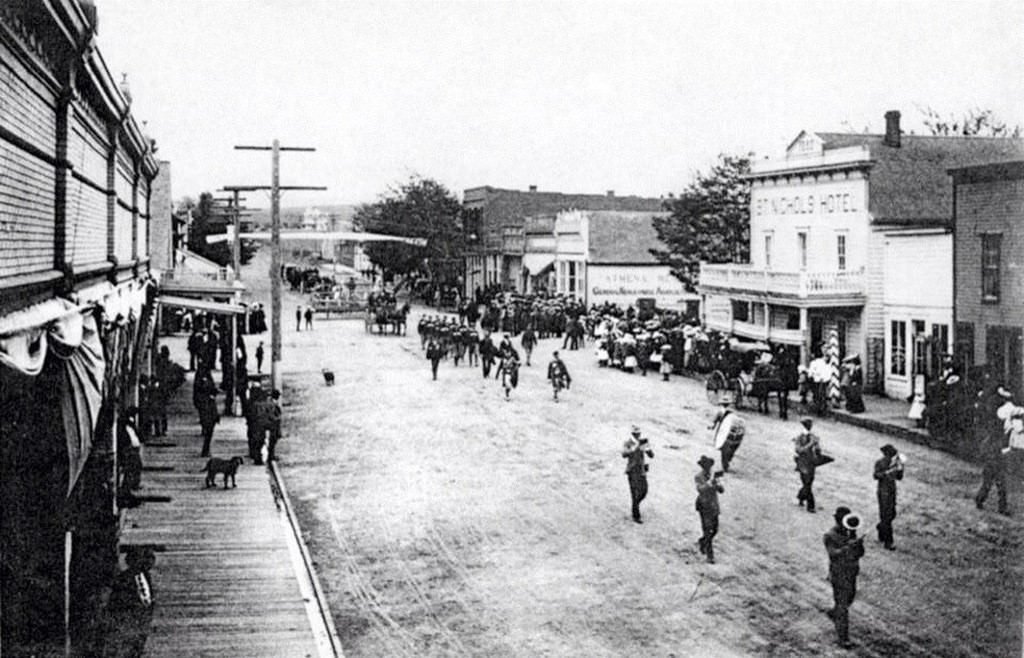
x=183, y=276
x=790, y=284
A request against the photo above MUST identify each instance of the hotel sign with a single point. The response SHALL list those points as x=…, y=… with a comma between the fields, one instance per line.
x=824, y=199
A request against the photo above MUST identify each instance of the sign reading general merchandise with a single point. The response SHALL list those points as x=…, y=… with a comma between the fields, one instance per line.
x=624, y=284
x=820, y=199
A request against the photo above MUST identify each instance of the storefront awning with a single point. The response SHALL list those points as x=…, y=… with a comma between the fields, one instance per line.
x=200, y=305
x=537, y=263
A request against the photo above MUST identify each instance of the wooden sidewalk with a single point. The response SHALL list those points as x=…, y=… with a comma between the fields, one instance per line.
x=225, y=581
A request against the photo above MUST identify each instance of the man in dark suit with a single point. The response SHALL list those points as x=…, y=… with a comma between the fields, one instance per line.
x=634, y=451
x=807, y=449
x=844, y=550
x=888, y=470
x=708, y=488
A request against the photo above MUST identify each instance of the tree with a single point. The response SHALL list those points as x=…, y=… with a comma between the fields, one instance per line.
x=976, y=122
x=421, y=208
x=207, y=220
x=709, y=221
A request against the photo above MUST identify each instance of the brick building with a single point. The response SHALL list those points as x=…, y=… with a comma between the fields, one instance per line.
x=988, y=266
x=496, y=243
x=852, y=233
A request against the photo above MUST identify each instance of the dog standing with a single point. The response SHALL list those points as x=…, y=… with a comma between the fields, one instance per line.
x=227, y=467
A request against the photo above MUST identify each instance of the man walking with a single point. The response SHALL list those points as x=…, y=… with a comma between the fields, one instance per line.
x=309, y=318
x=994, y=453
x=298, y=318
x=728, y=430
x=434, y=354
x=807, y=449
x=708, y=488
x=259, y=357
x=558, y=374
x=845, y=550
x=529, y=341
x=487, y=351
x=888, y=470
x=634, y=451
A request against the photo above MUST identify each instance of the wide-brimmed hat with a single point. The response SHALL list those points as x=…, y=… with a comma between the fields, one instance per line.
x=807, y=421
x=705, y=461
x=635, y=429
x=889, y=450
x=841, y=513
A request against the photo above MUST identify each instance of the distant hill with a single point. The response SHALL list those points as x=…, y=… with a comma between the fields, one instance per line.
x=293, y=216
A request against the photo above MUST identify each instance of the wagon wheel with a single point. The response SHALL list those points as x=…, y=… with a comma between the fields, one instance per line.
x=716, y=385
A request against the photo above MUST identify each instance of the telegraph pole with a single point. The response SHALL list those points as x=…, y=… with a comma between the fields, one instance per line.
x=275, y=245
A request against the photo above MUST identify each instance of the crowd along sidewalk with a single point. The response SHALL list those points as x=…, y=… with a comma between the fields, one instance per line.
x=230, y=577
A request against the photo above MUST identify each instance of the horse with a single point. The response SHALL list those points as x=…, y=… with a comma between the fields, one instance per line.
x=389, y=316
x=768, y=379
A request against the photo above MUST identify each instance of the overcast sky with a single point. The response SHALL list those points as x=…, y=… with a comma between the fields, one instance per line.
x=568, y=96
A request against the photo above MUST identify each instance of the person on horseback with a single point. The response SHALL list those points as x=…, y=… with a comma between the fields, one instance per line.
x=558, y=374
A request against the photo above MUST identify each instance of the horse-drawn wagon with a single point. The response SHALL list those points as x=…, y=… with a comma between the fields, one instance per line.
x=747, y=370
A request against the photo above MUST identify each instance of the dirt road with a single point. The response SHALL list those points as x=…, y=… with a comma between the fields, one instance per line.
x=447, y=521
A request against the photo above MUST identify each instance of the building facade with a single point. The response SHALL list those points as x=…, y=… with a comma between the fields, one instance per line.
x=75, y=319
x=989, y=269
x=842, y=228
x=604, y=256
x=496, y=242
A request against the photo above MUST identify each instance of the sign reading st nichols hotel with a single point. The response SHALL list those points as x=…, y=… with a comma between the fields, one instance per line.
x=816, y=200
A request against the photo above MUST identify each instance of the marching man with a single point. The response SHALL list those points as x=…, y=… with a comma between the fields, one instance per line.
x=708, y=488
x=634, y=451
x=728, y=430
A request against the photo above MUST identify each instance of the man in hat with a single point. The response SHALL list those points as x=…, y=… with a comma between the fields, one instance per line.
x=558, y=374
x=888, y=470
x=807, y=448
x=634, y=451
x=994, y=452
x=844, y=550
x=708, y=488
x=434, y=354
x=727, y=431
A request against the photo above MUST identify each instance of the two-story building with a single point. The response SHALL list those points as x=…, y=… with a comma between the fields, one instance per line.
x=988, y=267
x=496, y=244
x=852, y=233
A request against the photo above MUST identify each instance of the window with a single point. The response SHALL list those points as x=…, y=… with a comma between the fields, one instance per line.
x=768, y=251
x=898, y=343
x=940, y=346
x=841, y=251
x=801, y=245
x=991, y=246
x=740, y=311
x=572, y=278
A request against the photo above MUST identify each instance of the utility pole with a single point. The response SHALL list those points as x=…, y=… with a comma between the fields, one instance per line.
x=275, y=245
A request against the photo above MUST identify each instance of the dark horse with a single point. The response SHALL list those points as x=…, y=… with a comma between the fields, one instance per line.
x=772, y=378
x=390, y=316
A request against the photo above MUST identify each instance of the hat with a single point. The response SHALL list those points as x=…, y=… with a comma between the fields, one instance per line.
x=635, y=429
x=888, y=450
x=841, y=512
x=1004, y=393
x=705, y=461
x=807, y=421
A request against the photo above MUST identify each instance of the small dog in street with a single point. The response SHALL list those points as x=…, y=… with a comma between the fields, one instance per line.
x=227, y=467
x=328, y=377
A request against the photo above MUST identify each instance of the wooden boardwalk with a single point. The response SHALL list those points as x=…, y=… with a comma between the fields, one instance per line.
x=225, y=581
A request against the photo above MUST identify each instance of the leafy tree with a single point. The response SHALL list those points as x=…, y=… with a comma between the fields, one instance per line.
x=207, y=220
x=421, y=208
x=709, y=221
x=976, y=122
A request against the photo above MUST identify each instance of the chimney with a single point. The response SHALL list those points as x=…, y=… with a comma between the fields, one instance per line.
x=533, y=188
x=892, y=129
x=611, y=192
